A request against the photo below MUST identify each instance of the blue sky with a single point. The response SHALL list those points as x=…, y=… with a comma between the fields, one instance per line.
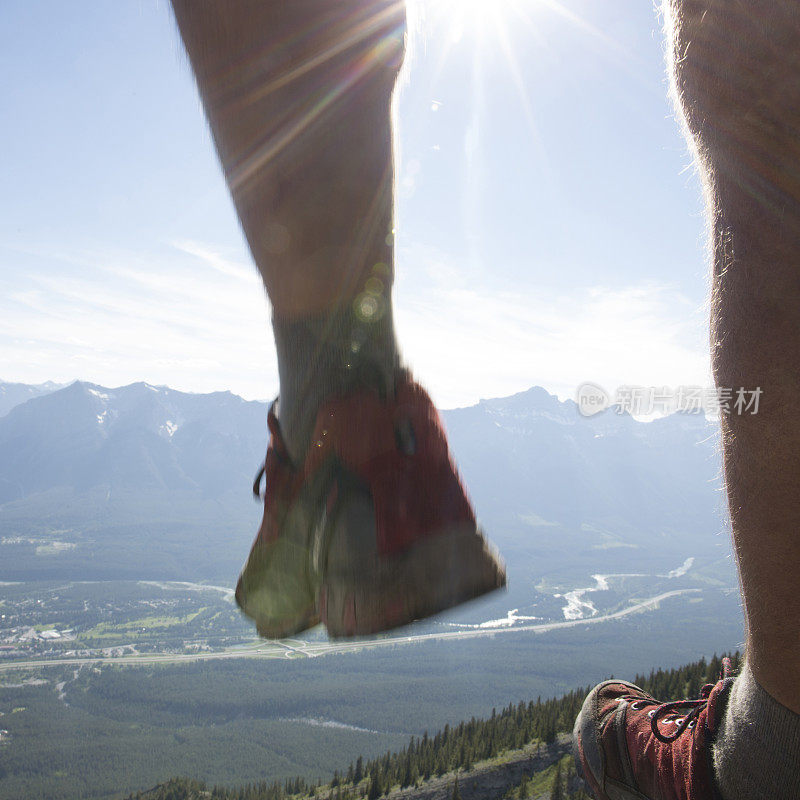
x=550, y=224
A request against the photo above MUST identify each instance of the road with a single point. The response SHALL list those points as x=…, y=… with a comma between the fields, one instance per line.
x=290, y=648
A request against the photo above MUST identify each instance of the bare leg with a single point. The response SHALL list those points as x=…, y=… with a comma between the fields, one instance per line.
x=298, y=98
x=735, y=67
x=737, y=75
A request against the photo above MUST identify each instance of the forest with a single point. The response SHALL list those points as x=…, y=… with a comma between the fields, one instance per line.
x=454, y=748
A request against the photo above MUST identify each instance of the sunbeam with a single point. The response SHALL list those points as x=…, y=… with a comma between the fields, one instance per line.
x=485, y=22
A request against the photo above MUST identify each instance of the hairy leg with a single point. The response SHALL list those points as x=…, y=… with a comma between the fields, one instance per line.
x=736, y=73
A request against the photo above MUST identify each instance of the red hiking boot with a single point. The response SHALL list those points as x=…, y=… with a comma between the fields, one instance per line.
x=375, y=525
x=630, y=746
x=401, y=540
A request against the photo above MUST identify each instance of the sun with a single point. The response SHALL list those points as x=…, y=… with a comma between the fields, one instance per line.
x=475, y=15
x=485, y=19
x=480, y=10
x=494, y=25
x=505, y=31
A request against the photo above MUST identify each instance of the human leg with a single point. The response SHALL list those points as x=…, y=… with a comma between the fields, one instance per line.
x=366, y=523
x=737, y=74
x=735, y=66
x=298, y=98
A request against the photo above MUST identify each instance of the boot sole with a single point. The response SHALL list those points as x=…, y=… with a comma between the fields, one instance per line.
x=434, y=575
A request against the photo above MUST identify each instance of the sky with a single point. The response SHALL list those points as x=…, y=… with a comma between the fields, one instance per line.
x=549, y=220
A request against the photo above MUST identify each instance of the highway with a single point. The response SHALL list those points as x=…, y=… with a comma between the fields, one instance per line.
x=292, y=648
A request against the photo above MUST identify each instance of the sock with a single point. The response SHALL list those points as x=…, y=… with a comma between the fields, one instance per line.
x=757, y=748
x=328, y=355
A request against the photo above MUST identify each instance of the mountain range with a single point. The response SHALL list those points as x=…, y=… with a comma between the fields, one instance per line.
x=144, y=481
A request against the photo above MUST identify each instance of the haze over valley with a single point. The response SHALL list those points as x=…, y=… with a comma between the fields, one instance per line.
x=125, y=514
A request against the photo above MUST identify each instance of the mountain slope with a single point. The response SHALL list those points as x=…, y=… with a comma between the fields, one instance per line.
x=536, y=468
x=503, y=756
x=139, y=481
x=12, y=394
x=137, y=437
x=531, y=767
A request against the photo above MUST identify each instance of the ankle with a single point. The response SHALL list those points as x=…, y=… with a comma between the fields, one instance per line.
x=757, y=747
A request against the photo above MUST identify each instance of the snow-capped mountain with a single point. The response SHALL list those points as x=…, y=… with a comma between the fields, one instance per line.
x=147, y=479
x=133, y=438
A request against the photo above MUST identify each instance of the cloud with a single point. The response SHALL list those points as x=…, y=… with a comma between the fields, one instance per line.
x=202, y=324
x=468, y=339
x=215, y=260
x=115, y=317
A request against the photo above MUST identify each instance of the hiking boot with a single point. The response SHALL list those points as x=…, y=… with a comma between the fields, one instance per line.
x=630, y=746
x=276, y=588
x=400, y=538
x=374, y=530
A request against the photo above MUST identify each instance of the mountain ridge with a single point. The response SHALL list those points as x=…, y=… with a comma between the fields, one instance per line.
x=150, y=482
x=12, y=394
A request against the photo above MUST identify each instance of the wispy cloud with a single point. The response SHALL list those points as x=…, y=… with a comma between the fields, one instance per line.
x=121, y=317
x=211, y=258
x=467, y=339
x=118, y=317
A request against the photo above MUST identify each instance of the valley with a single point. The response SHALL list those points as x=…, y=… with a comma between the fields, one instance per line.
x=124, y=519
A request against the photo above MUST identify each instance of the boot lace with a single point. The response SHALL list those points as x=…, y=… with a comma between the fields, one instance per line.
x=685, y=711
x=277, y=455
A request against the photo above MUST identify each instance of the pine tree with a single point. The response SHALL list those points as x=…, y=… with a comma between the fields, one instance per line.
x=359, y=776
x=407, y=779
x=456, y=794
x=375, y=789
x=557, y=792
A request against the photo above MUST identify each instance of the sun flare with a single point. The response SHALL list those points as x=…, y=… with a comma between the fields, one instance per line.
x=475, y=15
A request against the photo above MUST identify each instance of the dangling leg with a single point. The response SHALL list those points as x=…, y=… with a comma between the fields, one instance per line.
x=366, y=522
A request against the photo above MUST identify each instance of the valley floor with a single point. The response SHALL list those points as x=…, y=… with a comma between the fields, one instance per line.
x=103, y=728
